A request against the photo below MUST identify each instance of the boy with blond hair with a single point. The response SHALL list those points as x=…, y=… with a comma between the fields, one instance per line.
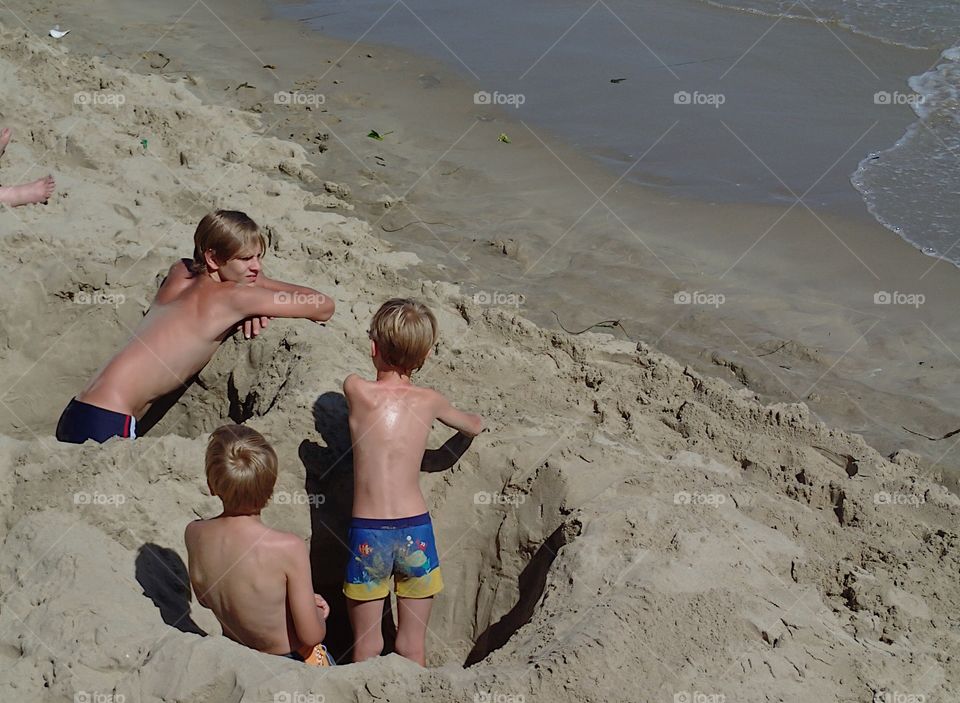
x=391, y=533
x=200, y=304
x=256, y=580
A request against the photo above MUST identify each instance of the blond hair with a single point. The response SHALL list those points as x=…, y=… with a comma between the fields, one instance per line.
x=227, y=233
x=404, y=330
x=241, y=467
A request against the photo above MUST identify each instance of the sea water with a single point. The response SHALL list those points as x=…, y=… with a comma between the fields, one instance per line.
x=723, y=101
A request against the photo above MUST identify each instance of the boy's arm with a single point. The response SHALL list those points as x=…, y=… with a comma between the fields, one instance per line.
x=310, y=627
x=188, y=539
x=446, y=456
x=275, y=285
x=301, y=302
x=468, y=423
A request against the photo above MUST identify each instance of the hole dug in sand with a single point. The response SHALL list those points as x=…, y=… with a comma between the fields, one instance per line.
x=245, y=379
x=496, y=547
x=499, y=527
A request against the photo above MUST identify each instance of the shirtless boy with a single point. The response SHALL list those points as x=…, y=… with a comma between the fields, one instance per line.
x=256, y=580
x=197, y=307
x=391, y=533
x=38, y=191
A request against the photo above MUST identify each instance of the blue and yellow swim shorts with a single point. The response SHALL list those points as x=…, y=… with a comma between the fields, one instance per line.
x=404, y=548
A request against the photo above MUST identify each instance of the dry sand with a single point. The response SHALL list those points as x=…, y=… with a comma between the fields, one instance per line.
x=628, y=530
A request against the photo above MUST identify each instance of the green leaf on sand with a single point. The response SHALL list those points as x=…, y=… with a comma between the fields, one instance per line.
x=503, y=138
x=374, y=134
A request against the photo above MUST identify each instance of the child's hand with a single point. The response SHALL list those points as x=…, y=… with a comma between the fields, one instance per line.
x=322, y=605
x=252, y=326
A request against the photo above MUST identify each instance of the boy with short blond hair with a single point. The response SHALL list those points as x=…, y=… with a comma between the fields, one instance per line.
x=199, y=305
x=256, y=580
x=391, y=533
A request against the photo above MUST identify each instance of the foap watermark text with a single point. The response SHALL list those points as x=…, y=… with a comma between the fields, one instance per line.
x=515, y=100
x=296, y=98
x=714, y=100
x=698, y=297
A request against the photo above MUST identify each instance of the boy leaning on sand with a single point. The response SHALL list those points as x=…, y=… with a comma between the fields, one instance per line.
x=200, y=303
x=391, y=533
x=256, y=580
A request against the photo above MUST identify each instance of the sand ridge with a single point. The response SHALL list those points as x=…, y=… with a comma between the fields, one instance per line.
x=627, y=530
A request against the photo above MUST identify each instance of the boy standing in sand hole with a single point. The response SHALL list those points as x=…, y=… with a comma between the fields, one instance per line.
x=256, y=580
x=391, y=533
x=199, y=305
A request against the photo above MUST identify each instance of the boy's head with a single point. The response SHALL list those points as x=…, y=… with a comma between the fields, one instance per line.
x=241, y=468
x=228, y=244
x=403, y=331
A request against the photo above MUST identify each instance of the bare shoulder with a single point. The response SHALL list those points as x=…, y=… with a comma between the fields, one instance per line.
x=181, y=269
x=286, y=547
x=435, y=398
x=285, y=542
x=351, y=383
x=178, y=278
x=356, y=387
x=192, y=531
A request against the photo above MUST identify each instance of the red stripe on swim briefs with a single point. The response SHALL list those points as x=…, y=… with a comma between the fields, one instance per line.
x=126, y=426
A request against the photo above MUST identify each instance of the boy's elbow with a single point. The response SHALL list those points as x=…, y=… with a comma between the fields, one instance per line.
x=316, y=635
x=477, y=426
x=325, y=309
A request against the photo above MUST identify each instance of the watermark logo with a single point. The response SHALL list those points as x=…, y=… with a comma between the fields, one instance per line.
x=912, y=499
x=711, y=499
x=497, y=697
x=898, y=697
x=297, y=697
x=299, y=498
x=884, y=97
x=714, y=100
x=99, y=297
x=697, y=297
x=495, y=297
x=297, y=98
x=882, y=297
x=297, y=298
x=84, y=498
x=96, y=98
x=487, y=498
x=97, y=697
x=698, y=697
x=515, y=100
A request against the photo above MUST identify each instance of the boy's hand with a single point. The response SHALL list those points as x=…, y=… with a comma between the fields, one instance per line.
x=322, y=606
x=252, y=326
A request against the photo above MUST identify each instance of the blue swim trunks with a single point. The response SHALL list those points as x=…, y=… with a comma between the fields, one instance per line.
x=404, y=548
x=81, y=421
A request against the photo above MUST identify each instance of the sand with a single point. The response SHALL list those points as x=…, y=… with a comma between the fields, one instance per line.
x=627, y=530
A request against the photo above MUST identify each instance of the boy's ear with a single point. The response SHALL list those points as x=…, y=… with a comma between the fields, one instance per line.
x=209, y=256
x=373, y=349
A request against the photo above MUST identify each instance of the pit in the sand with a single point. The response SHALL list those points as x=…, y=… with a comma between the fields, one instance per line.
x=475, y=615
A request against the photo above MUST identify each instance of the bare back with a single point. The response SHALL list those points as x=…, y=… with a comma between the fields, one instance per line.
x=173, y=342
x=239, y=569
x=389, y=425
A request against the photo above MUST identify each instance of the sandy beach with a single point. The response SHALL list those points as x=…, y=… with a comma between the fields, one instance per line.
x=648, y=518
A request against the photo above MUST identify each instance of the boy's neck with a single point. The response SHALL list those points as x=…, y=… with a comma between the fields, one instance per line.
x=255, y=515
x=392, y=376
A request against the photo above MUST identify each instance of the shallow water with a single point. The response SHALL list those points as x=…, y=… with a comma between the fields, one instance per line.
x=708, y=103
x=912, y=187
